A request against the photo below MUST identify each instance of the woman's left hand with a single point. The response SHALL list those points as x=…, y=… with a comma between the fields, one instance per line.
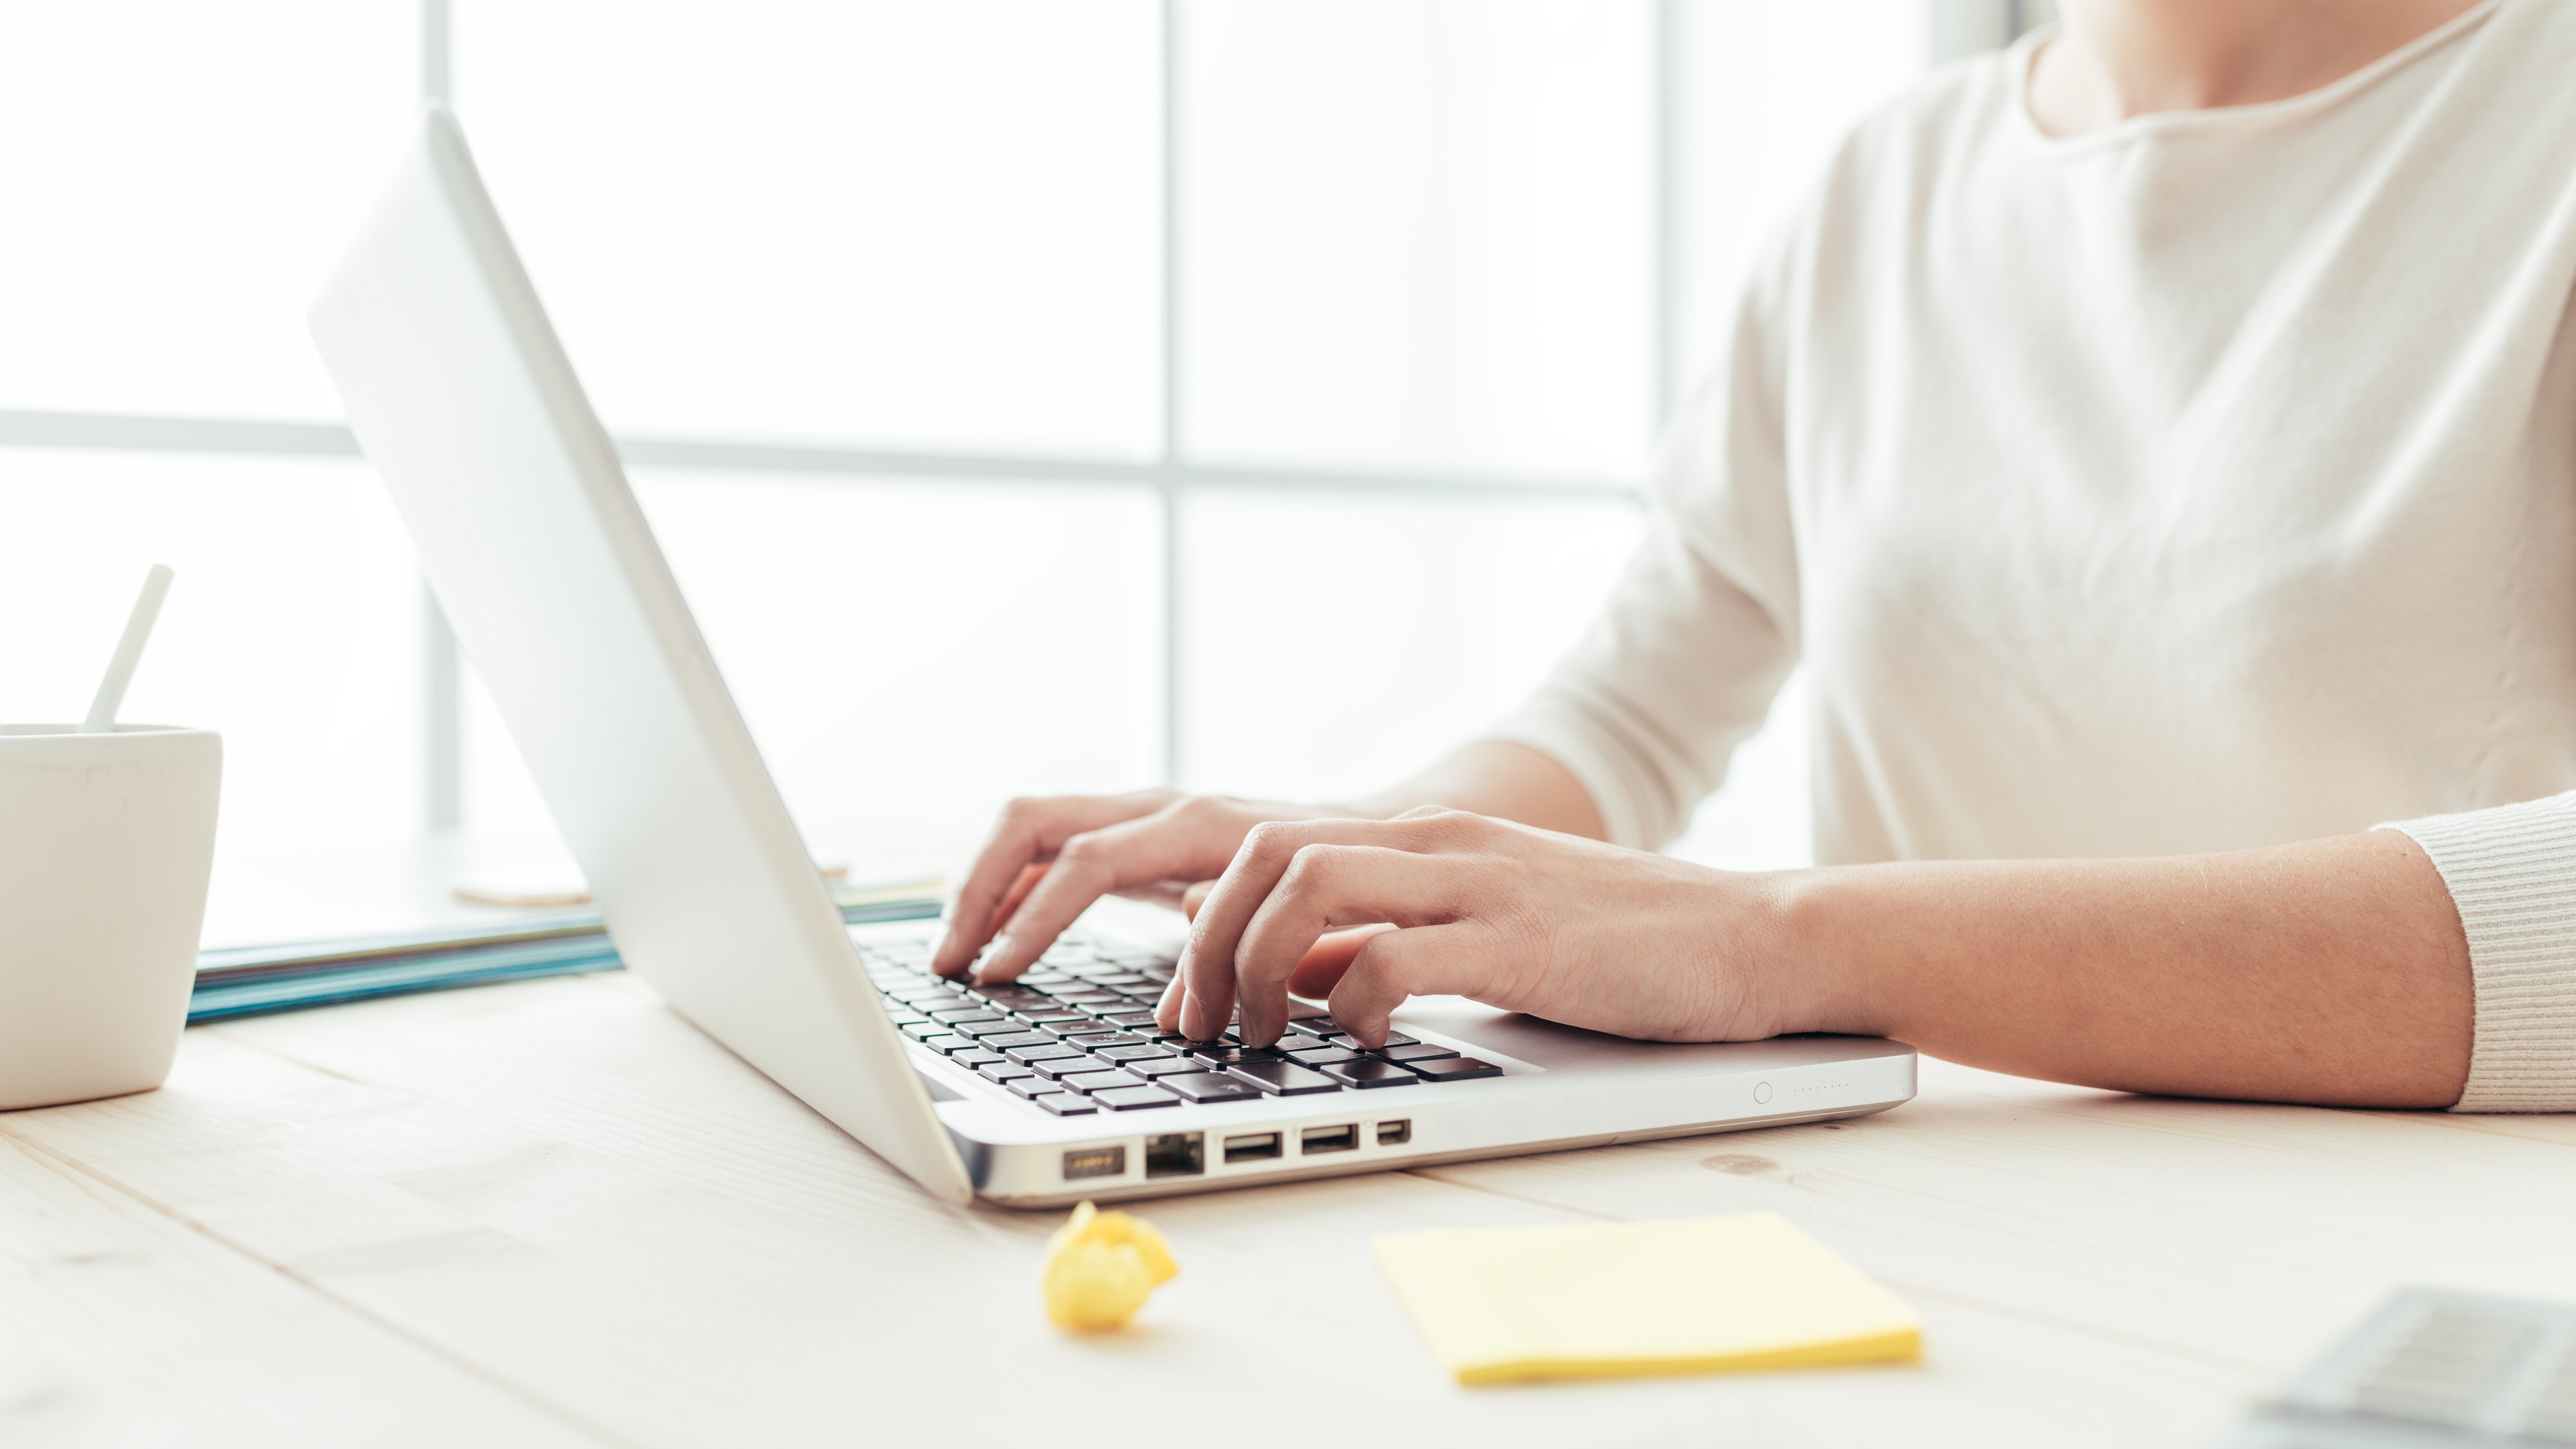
x=1527, y=920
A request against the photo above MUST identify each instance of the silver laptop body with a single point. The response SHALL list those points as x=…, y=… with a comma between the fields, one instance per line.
x=463, y=399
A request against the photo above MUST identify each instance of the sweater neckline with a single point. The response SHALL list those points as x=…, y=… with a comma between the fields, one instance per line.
x=2156, y=125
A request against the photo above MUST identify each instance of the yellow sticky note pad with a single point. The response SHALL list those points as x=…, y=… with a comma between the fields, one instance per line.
x=1599, y=1300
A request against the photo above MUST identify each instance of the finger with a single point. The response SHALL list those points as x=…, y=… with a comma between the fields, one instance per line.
x=1423, y=961
x=1029, y=832
x=1170, y=842
x=1326, y=886
x=1195, y=897
x=1028, y=880
x=1164, y=893
x=1206, y=996
x=1325, y=961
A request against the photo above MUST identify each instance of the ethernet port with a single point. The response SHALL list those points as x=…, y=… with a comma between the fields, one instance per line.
x=1176, y=1154
x=1342, y=1138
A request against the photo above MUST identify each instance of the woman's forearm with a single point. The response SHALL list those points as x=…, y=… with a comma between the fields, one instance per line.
x=2332, y=971
x=1498, y=778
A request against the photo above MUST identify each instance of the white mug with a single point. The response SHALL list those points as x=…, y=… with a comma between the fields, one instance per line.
x=106, y=841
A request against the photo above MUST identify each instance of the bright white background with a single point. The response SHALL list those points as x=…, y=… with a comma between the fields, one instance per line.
x=1415, y=237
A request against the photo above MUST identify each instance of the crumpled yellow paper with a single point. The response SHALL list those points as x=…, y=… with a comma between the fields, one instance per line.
x=1101, y=1267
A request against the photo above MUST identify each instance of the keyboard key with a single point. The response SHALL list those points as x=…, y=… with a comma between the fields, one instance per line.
x=904, y=1016
x=976, y=1012
x=1363, y=1073
x=988, y=1028
x=1067, y=1104
x=1081, y=998
x=1143, y=1019
x=919, y=1029
x=1131, y=1099
x=1420, y=1051
x=1053, y=1051
x=1115, y=978
x=1032, y=1086
x=1315, y=1011
x=1142, y=1051
x=1297, y=1041
x=1284, y=1079
x=1019, y=1039
x=1050, y=1017
x=947, y=1042
x=1105, y=1081
x=1159, y=1067
x=1012, y=997
x=1004, y=1072
x=1209, y=1087
x=1453, y=1069
x=1092, y=1040
x=1343, y=1038
x=1226, y=1054
x=975, y=1057
x=1059, y=1068
x=1322, y=1056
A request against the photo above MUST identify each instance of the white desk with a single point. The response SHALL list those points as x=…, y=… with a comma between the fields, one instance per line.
x=551, y=1213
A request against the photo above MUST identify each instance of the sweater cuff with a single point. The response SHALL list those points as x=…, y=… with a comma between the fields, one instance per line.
x=2512, y=874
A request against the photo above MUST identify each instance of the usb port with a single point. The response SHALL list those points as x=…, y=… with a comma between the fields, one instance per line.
x=1329, y=1139
x=1082, y=1162
x=1390, y=1134
x=1252, y=1147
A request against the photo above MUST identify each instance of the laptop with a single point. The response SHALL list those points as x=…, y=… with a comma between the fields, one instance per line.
x=1050, y=1090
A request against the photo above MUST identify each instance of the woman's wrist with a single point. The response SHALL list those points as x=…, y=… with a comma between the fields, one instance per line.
x=1807, y=957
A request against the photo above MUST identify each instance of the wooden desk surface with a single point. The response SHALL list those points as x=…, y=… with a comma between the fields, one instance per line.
x=552, y=1213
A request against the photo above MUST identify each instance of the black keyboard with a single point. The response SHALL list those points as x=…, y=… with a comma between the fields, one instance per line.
x=1075, y=1035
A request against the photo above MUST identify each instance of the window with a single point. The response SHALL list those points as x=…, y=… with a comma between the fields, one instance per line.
x=1031, y=394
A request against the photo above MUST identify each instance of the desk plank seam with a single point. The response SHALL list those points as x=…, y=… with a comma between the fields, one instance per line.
x=460, y=1363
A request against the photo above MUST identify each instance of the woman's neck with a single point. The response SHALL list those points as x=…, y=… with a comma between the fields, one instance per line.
x=2114, y=59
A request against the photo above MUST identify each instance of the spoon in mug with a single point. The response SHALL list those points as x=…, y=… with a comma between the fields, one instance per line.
x=129, y=652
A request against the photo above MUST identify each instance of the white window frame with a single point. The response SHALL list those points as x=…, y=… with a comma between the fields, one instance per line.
x=1171, y=475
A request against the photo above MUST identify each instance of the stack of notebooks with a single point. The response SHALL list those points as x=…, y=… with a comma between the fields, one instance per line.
x=254, y=980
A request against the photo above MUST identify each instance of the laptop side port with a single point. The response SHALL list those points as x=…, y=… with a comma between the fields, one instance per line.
x=1328, y=1139
x=1395, y=1133
x=1176, y=1154
x=1082, y=1162
x=1252, y=1147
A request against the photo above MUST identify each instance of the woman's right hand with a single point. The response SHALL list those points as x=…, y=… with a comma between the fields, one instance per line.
x=1049, y=858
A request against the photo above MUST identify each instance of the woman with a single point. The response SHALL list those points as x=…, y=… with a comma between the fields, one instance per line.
x=2159, y=442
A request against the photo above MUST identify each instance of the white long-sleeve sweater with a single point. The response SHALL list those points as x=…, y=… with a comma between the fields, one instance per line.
x=2204, y=482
